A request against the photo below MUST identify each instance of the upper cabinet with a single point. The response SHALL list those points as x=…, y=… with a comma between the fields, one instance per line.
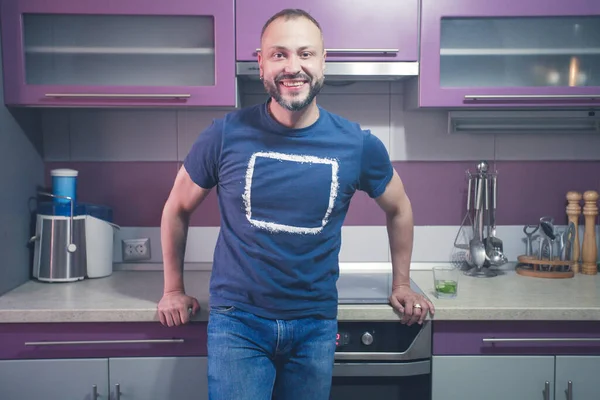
x=353, y=30
x=512, y=53
x=118, y=53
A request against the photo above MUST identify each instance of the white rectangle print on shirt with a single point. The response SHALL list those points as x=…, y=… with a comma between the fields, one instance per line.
x=274, y=226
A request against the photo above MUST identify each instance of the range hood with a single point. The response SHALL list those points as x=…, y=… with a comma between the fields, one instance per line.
x=347, y=70
x=541, y=121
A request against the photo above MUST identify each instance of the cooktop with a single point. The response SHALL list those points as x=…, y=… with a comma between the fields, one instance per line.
x=367, y=288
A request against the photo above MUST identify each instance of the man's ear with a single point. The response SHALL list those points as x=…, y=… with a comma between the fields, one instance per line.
x=260, y=66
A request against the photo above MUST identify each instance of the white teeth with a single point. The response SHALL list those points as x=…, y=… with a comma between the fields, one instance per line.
x=293, y=84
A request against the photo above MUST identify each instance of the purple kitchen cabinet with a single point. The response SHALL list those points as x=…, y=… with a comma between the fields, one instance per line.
x=386, y=30
x=511, y=53
x=101, y=340
x=516, y=337
x=118, y=53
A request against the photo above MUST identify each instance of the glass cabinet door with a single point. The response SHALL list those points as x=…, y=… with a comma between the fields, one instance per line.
x=520, y=52
x=130, y=52
x=507, y=53
x=119, y=50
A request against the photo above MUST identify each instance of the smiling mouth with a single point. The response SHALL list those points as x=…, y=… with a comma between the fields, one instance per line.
x=292, y=84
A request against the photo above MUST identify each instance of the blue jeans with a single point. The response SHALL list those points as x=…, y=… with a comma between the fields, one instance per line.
x=252, y=358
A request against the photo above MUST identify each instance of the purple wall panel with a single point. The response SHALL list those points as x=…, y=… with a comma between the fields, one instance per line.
x=437, y=190
x=364, y=211
x=527, y=190
x=208, y=212
x=136, y=191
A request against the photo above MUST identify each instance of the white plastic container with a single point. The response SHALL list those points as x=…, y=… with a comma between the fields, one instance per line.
x=99, y=239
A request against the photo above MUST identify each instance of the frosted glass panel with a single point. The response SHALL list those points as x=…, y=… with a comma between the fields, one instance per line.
x=514, y=52
x=130, y=50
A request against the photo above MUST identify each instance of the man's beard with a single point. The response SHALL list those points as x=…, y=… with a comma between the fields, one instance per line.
x=273, y=89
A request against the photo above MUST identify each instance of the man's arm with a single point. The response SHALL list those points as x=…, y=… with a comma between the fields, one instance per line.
x=185, y=196
x=398, y=210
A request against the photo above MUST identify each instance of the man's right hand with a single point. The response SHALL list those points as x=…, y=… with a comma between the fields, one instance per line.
x=173, y=308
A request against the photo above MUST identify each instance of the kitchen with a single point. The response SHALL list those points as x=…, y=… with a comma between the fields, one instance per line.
x=442, y=91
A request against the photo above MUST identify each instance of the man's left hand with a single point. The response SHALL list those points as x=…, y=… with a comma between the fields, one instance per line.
x=413, y=306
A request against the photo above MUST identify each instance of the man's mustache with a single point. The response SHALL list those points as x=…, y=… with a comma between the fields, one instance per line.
x=281, y=77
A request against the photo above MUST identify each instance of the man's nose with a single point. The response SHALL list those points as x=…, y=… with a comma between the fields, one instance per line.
x=292, y=65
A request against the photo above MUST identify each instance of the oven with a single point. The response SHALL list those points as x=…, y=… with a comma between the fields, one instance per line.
x=379, y=360
x=382, y=361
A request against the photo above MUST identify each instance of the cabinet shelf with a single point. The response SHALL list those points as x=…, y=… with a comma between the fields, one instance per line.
x=119, y=50
x=520, y=52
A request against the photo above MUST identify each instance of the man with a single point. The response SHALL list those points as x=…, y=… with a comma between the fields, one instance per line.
x=285, y=171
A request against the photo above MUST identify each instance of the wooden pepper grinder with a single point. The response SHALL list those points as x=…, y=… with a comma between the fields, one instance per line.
x=574, y=211
x=589, y=251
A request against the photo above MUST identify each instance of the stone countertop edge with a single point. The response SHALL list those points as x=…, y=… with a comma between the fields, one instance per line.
x=131, y=296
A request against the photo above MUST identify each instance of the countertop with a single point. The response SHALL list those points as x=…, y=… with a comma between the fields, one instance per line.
x=128, y=296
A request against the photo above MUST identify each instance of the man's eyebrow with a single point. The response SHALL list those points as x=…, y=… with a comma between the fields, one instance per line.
x=279, y=47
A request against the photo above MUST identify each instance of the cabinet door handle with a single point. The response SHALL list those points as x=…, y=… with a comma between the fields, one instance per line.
x=356, y=51
x=92, y=342
x=575, y=339
x=158, y=96
x=547, y=391
x=501, y=97
x=570, y=390
x=94, y=392
x=117, y=391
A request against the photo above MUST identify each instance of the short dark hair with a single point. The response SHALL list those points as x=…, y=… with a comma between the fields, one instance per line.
x=290, y=13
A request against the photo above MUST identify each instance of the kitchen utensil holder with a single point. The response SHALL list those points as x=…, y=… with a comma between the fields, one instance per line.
x=481, y=219
x=544, y=268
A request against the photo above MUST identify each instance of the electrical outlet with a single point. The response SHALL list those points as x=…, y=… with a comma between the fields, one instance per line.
x=136, y=249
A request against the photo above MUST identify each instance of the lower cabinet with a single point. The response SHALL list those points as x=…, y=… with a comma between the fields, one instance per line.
x=180, y=378
x=53, y=379
x=528, y=377
x=140, y=378
x=579, y=375
x=492, y=377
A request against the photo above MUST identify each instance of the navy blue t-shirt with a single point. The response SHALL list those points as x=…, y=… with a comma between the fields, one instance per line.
x=283, y=196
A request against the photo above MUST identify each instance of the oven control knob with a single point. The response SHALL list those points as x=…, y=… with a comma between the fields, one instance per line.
x=367, y=339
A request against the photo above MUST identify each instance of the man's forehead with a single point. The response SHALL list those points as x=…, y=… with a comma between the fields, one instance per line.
x=299, y=28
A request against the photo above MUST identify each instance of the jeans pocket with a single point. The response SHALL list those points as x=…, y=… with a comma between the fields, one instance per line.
x=222, y=309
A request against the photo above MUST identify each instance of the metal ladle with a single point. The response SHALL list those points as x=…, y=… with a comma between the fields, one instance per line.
x=494, y=244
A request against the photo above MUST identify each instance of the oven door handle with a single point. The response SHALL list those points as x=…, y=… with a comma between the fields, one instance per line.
x=366, y=369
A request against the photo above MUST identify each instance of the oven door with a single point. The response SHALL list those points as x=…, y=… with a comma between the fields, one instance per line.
x=381, y=380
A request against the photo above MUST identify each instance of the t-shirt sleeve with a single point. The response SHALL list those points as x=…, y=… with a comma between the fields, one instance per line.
x=202, y=162
x=376, y=168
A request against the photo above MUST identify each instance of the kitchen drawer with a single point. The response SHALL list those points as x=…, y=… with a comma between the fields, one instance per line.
x=92, y=340
x=516, y=337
